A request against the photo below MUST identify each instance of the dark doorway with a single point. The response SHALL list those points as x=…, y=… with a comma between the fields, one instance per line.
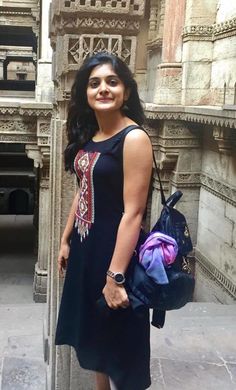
x=18, y=202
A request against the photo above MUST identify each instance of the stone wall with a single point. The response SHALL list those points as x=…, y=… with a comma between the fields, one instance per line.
x=216, y=238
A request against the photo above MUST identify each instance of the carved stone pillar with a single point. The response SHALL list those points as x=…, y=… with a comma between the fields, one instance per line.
x=170, y=70
x=40, y=276
x=40, y=155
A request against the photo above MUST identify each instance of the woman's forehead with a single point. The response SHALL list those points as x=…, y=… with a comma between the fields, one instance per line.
x=103, y=70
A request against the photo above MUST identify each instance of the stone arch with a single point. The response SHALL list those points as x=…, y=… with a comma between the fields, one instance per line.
x=18, y=202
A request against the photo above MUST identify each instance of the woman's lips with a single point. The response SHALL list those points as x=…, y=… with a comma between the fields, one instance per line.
x=104, y=100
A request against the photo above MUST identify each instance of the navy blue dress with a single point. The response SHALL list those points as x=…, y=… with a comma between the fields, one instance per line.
x=115, y=342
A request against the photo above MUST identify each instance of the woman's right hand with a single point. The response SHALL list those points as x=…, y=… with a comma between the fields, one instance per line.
x=63, y=258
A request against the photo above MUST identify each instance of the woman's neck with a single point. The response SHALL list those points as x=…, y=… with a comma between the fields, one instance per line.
x=110, y=123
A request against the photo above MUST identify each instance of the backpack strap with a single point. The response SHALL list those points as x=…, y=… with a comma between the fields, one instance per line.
x=132, y=127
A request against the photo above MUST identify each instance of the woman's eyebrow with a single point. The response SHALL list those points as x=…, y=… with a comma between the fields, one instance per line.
x=98, y=78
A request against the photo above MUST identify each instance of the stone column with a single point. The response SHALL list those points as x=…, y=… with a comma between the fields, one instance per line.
x=2, y=59
x=198, y=52
x=1, y=68
x=170, y=70
x=40, y=277
x=44, y=87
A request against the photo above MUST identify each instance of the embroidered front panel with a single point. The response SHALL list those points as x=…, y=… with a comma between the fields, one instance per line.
x=84, y=165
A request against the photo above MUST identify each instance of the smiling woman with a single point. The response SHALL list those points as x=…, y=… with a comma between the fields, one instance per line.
x=105, y=90
x=112, y=158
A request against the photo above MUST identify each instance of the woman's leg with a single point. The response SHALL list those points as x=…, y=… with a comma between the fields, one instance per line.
x=102, y=381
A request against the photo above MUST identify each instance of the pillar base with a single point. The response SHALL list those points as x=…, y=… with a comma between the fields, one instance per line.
x=40, y=285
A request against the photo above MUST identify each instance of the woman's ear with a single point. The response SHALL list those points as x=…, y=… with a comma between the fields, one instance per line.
x=126, y=94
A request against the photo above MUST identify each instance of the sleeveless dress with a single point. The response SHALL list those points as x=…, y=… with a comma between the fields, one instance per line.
x=114, y=342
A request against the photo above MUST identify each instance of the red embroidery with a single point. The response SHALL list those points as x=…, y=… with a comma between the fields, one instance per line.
x=84, y=165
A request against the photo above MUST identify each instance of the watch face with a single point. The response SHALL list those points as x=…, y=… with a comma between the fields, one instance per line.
x=119, y=278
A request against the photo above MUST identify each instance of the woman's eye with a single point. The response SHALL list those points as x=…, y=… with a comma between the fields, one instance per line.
x=93, y=84
x=113, y=82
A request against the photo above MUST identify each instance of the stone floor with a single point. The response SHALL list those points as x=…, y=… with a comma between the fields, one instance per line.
x=196, y=348
x=21, y=320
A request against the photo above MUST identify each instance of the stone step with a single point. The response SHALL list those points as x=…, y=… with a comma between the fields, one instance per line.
x=21, y=347
x=195, y=349
x=23, y=374
x=23, y=364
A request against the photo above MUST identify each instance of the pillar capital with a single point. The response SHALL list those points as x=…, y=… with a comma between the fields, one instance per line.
x=33, y=152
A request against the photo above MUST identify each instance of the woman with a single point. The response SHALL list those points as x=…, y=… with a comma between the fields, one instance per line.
x=112, y=159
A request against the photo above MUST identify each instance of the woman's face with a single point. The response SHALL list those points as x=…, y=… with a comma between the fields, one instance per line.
x=105, y=91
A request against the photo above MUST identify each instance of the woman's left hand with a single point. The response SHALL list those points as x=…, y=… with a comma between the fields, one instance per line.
x=115, y=295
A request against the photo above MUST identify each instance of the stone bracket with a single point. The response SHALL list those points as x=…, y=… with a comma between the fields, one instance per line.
x=33, y=152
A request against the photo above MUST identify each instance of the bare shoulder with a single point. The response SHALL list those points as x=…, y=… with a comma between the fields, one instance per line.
x=137, y=138
x=137, y=150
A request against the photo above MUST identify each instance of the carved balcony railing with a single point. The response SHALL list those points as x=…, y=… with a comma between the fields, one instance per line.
x=123, y=7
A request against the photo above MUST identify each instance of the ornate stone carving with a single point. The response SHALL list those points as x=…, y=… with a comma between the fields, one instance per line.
x=18, y=138
x=88, y=23
x=198, y=32
x=210, y=32
x=225, y=29
x=156, y=22
x=128, y=7
x=212, y=272
x=80, y=47
x=34, y=111
x=190, y=114
x=222, y=190
x=16, y=126
x=178, y=142
x=43, y=128
x=186, y=180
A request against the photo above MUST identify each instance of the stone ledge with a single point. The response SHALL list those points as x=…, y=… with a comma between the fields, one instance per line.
x=200, y=114
x=33, y=109
x=210, y=32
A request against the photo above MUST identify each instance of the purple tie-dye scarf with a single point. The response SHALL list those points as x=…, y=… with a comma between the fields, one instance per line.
x=158, y=252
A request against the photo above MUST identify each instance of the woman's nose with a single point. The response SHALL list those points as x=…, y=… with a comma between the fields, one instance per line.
x=103, y=87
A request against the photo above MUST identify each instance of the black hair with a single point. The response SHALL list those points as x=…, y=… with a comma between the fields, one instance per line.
x=81, y=120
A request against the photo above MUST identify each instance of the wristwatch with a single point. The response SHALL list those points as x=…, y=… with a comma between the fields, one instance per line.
x=118, y=277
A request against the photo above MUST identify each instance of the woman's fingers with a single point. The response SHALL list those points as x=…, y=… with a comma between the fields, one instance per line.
x=62, y=262
x=116, y=297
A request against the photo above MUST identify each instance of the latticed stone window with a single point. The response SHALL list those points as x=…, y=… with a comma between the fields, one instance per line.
x=88, y=44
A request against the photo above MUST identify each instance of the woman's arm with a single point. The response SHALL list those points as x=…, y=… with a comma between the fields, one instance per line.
x=137, y=173
x=65, y=240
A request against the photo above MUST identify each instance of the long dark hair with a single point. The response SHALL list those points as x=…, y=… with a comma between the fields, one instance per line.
x=81, y=120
